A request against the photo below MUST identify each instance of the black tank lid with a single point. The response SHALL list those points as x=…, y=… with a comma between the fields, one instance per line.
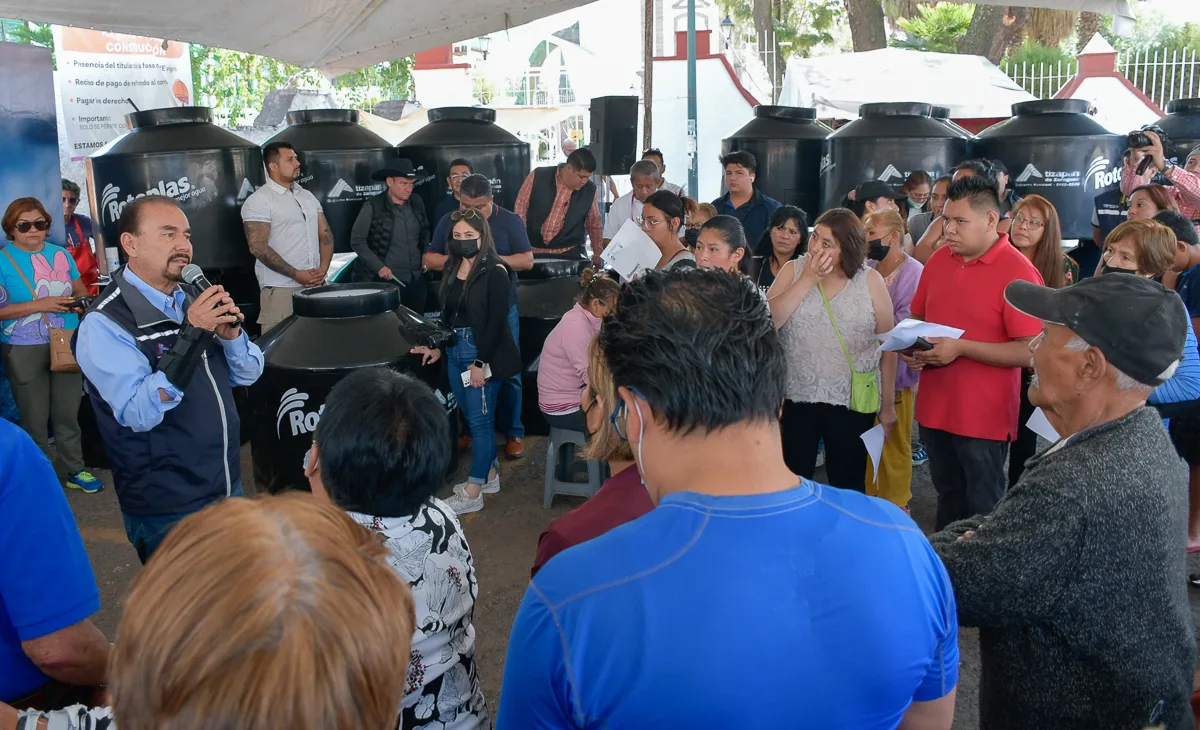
x=1184, y=106
x=939, y=112
x=339, y=301
x=318, y=116
x=1050, y=106
x=462, y=114
x=172, y=115
x=786, y=113
x=896, y=109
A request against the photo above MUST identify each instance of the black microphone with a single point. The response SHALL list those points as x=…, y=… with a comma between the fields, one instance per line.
x=193, y=275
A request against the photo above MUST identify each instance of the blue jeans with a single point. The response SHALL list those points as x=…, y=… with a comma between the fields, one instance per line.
x=510, y=390
x=146, y=532
x=478, y=406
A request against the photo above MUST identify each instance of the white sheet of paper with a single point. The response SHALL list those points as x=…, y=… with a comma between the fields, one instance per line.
x=904, y=334
x=874, y=442
x=631, y=252
x=1039, y=424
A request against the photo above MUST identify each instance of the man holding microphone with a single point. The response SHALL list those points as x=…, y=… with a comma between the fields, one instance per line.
x=160, y=359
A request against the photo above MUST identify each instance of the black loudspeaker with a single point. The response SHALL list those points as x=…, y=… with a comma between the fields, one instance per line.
x=614, y=133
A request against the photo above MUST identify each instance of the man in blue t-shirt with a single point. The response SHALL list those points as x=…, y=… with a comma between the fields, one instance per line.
x=47, y=590
x=749, y=597
x=512, y=244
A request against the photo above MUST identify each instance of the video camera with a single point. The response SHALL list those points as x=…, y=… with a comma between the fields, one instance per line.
x=1138, y=139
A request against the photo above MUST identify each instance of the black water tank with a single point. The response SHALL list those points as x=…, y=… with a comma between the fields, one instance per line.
x=887, y=142
x=470, y=133
x=209, y=171
x=337, y=158
x=1054, y=149
x=786, y=141
x=544, y=294
x=1182, y=125
x=334, y=330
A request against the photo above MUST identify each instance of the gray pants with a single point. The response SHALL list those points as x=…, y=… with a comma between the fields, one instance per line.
x=44, y=399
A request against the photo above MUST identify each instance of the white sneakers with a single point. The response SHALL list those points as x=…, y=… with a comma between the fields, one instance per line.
x=462, y=503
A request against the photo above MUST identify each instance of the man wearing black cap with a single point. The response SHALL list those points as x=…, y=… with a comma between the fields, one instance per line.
x=1077, y=580
x=872, y=196
x=391, y=233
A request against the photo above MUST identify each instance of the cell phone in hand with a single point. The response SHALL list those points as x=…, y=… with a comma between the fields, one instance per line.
x=920, y=344
x=80, y=303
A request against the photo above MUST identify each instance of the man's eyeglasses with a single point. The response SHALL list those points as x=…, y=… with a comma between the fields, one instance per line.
x=1031, y=222
x=460, y=176
x=458, y=215
x=40, y=225
x=70, y=199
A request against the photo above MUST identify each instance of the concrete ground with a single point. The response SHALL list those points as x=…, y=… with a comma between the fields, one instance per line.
x=503, y=539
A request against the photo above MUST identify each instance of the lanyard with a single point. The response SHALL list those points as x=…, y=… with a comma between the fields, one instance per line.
x=78, y=230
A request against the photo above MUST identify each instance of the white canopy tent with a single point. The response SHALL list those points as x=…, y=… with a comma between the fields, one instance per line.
x=331, y=35
x=339, y=36
x=971, y=86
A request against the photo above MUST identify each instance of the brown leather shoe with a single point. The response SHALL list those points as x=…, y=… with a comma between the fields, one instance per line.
x=464, y=443
x=514, y=448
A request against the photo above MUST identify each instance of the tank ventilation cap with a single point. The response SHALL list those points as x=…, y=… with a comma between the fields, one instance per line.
x=786, y=113
x=1183, y=106
x=339, y=301
x=1050, y=106
x=940, y=112
x=312, y=116
x=896, y=109
x=462, y=114
x=171, y=115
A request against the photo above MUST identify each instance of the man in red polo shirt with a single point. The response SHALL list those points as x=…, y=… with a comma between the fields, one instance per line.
x=969, y=397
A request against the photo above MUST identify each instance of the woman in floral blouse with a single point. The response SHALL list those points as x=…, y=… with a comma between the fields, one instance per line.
x=381, y=452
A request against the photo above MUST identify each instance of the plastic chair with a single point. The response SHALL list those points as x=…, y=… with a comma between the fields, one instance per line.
x=558, y=437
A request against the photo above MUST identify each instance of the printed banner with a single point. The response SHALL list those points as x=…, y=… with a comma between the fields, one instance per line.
x=104, y=76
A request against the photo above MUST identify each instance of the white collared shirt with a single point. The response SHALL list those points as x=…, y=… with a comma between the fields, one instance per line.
x=292, y=213
x=623, y=209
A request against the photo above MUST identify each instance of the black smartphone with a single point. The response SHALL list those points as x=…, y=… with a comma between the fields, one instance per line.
x=80, y=303
x=920, y=344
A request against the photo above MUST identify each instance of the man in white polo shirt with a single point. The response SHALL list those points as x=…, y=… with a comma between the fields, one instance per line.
x=288, y=234
x=646, y=181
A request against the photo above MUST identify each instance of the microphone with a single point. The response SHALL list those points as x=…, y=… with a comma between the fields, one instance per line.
x=194, y=275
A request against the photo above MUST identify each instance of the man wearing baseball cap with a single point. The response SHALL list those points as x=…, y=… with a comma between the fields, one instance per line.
x=391, y=234
x=1077, y=580
x=871, y=196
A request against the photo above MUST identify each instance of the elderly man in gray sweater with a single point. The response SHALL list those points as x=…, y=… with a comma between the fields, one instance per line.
x=1077, y=580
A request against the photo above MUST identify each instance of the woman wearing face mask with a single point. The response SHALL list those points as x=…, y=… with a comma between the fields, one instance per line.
x=829, y=307
x=722, y=245
x=916, y=191
x=661, y=219
x=1148, y=201
x=785, y=239
x=563, y=368
x=697, y=215
x=475, y=303
x=1037, y=234
x=900, y=272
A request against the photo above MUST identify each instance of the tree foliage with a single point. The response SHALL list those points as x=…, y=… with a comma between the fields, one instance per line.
x=804, y=24
x=936, y=28
x=237, y=83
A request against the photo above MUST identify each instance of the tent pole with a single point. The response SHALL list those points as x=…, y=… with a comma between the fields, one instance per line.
x=693, y=186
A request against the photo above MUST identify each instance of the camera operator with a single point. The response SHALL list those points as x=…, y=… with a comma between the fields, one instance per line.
x=1185, y=185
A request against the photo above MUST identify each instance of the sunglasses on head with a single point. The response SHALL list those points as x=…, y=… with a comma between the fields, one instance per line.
x=40, y=225
x=458, y=215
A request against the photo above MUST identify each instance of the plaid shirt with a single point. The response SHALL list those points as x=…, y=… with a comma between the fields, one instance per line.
x=1184, y=190
x=558, y=215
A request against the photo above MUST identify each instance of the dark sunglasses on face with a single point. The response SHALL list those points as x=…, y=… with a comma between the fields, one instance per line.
x=40, y=225
x=70, y=199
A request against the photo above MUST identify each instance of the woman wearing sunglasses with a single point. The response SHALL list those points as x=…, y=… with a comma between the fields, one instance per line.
x=38, y=286
x=475, y=295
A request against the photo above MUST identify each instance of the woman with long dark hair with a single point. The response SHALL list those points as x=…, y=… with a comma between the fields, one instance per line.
x=829, y=308
x=662, y=218
x=722, y=245
x=916, y=190
x=785, y=239
x=475, y=294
